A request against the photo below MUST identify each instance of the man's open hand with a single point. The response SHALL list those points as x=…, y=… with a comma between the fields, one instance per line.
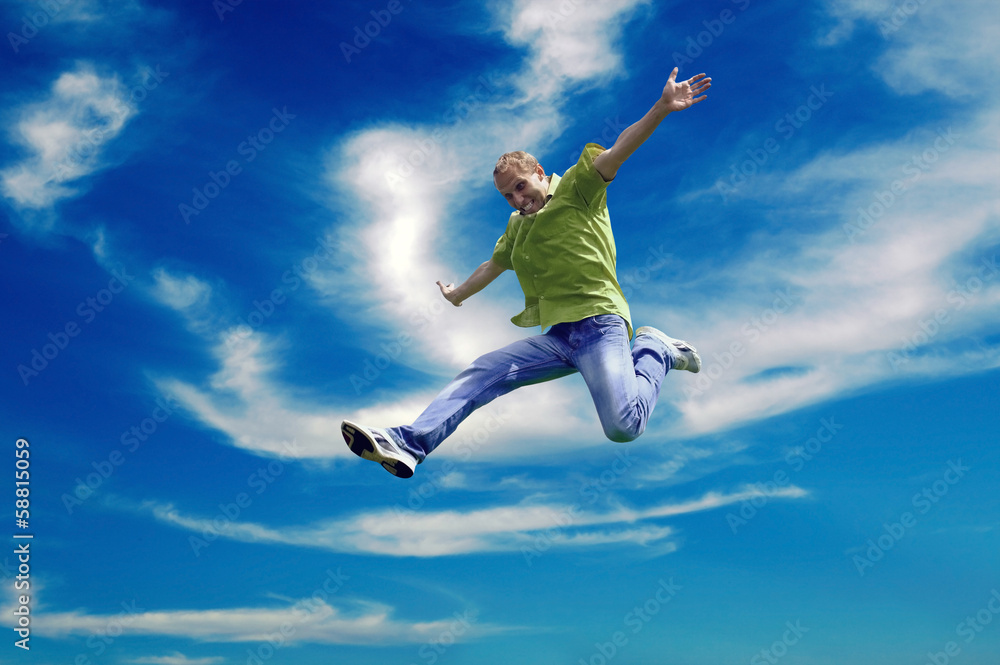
x=679, y=96
x=448, y=291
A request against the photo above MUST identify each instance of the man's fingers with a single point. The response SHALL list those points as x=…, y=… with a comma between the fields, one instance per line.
x=446, y=290
x=673, y=75
x=701, y=86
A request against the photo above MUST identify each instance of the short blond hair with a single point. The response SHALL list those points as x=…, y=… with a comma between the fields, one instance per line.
x=518, y=159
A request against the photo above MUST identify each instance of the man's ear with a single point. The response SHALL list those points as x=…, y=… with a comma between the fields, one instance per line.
x=540, y=171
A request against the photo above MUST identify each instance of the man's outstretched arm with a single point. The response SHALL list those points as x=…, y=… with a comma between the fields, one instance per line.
x=676, y=97
x=477, y=281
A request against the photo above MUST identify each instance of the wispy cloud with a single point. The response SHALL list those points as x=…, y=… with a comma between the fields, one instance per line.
x=175, y=658
x=568, y=43
x=63, y=136
x=900, y=285
x=306, y=621
x=428, y=533
x=905, y=271
x=936, y=48
x=83, y=11
x=185, y=293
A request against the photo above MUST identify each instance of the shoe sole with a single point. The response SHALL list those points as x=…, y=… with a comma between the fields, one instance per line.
x=362, y=445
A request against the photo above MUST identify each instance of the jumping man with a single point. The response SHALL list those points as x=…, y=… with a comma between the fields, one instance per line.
x=559, y=244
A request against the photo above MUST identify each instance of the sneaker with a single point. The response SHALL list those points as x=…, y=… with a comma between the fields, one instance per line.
x=376, y=445
x=685, y=356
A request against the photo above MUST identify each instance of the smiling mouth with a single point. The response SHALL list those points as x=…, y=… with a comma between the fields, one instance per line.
x=526, y=207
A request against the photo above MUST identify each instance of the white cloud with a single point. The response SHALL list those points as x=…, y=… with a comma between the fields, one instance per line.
x=310, y=620
x=426, y=533
x=324, y=616
x=182, y=293
x=64, y=136
x=866, y=291
x=86, y=15
x=860, y=294
x=175, y=658
x=568, y=42
x=933, y=47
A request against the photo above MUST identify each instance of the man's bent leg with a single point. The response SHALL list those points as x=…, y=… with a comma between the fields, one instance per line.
x=532, y=360
x=624, y=383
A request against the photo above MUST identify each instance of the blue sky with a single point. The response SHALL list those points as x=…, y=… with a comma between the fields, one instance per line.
x=221, y=227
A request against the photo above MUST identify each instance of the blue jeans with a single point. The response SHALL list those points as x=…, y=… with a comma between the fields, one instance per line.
x=624, y=383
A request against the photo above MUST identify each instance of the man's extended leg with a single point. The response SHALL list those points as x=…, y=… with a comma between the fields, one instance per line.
x=525, y=362
x=400, y=449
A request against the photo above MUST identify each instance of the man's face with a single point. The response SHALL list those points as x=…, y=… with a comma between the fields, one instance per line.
x=524, y=190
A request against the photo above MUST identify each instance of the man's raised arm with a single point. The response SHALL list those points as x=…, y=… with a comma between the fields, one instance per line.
x=477, y=281
x=676, y=97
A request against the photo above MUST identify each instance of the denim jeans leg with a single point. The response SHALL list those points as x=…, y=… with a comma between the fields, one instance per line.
x=532, y=360
x=624, y=384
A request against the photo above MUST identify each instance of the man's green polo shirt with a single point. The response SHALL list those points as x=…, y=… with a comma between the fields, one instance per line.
x=564, y=254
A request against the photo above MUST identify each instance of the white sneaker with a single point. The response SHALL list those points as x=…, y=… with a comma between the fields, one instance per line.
x=684, y=355
x=376, y=445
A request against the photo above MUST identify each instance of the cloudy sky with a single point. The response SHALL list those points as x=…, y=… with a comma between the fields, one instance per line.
x=221, y=224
